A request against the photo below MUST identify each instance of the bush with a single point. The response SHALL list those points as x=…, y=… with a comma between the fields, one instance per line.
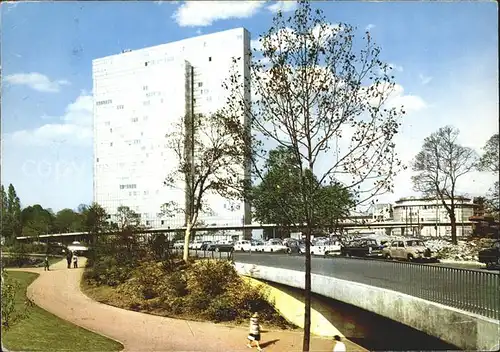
x=11, y=313
x=107, y=271
x=221, y=309
x=210, y=277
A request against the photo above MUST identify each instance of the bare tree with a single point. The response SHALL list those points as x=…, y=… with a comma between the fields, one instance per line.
x=208, y=162
x=490, y=162
x=440, y=163
x=325, y=100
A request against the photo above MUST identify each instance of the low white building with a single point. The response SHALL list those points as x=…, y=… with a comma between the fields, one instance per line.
x=428, y=217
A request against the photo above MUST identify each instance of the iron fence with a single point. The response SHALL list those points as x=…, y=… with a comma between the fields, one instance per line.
x=475, y=291
x=198, y=253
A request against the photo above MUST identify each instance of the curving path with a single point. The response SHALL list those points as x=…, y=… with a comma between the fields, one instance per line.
x=58, y=291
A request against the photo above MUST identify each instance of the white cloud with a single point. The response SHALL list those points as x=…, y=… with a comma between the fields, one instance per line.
x=284, y=6
x=74, y=127
x=36, y=81
x=424, y=79
x=370, y=27
x=204, y=13
x=409, y=102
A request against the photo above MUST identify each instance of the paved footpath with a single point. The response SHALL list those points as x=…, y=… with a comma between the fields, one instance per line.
x=58, y=291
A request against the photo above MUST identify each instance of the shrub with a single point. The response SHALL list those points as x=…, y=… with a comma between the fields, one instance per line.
x=221, y=309
x=107, y=271
x=10, y=312
x=210, y=277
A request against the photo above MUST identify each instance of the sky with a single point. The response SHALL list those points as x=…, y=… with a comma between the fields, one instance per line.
x=444, y=56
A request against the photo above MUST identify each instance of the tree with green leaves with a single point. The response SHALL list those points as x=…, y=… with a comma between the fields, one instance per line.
x=11, y=214
x=208, y=162
x=37, y=221
x=489, y=162
x=67, y=220
x=325, y=96
x=276, y=198
x=96, y=221
x=439, y=166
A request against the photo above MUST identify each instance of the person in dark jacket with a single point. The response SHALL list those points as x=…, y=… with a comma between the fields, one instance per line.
x=69, y=256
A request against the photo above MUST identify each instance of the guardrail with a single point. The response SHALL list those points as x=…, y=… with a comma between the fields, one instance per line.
x=471, y=290
x=475, y=291
x=198, y=253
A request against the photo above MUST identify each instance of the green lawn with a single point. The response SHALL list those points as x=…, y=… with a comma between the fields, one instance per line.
x=43, y=331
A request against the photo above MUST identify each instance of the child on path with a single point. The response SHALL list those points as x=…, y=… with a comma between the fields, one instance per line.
x=339, y=345
x=254, y=334
x=75, y=261
x=46, y=264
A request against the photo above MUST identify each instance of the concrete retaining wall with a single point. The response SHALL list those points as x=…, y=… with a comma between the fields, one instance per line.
x=462, y=329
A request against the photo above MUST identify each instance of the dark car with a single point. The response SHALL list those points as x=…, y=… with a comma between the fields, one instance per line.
x=220, y=247
x=205, y=245
x=362, y=248
x=490, y=256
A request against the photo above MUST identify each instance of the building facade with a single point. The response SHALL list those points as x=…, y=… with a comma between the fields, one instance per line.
x=138, y=97
x=428, y=217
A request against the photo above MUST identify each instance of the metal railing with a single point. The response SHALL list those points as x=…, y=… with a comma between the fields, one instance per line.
x=471, y=290
x=198, y=253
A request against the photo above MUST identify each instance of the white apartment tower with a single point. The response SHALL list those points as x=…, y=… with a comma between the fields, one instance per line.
x=138, y=94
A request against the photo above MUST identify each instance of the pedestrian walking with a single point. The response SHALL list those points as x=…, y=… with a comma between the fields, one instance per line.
x=69, y=255
x=75, y=261
x=339, y=345
x=46, y=264
x=254, y=335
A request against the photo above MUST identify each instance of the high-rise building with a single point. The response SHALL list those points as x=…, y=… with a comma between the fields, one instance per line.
x=138, y=95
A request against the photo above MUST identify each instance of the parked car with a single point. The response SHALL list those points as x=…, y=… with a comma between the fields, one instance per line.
x=243, y=246
x=490, y=256
x=204, y=245
x=409, y=249
x=220, y=247
x=365, y=247
x=179, y=244
x=272, y=245
x=195, y=245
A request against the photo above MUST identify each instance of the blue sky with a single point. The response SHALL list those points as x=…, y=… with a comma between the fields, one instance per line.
x=444, y=54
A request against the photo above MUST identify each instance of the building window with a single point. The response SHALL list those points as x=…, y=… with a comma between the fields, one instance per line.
x=119, y=107
x=104, y=102
x=129, y=186
x=163, y=222
x=200, y=84
x=110, y=130
x=135, y=119
x=97, y=160
x=146, y=63
x=209, y=58
x=147, y=222
x=145, y=118
x=146, y=103
x=144, y=87
x=111, y=144
x=107, y=123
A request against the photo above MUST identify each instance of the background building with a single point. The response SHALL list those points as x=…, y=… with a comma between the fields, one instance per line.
x=428, y=217
x=138, y=96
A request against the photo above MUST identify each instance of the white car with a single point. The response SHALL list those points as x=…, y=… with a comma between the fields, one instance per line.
x=272, y=245
x=179, y=244
x=243, y=246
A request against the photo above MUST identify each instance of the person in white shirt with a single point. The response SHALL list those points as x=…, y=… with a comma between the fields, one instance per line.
x=75, y=261
x=339, y=345
x=254, y=335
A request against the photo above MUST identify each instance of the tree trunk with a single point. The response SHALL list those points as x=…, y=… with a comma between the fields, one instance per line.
x=187, y=235
x=307, y=292
x=453, y=221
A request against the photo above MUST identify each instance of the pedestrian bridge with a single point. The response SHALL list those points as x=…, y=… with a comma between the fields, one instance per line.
x=458, y=326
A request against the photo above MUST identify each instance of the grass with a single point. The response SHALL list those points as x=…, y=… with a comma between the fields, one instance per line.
x=43, y=331
x=52, y=260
